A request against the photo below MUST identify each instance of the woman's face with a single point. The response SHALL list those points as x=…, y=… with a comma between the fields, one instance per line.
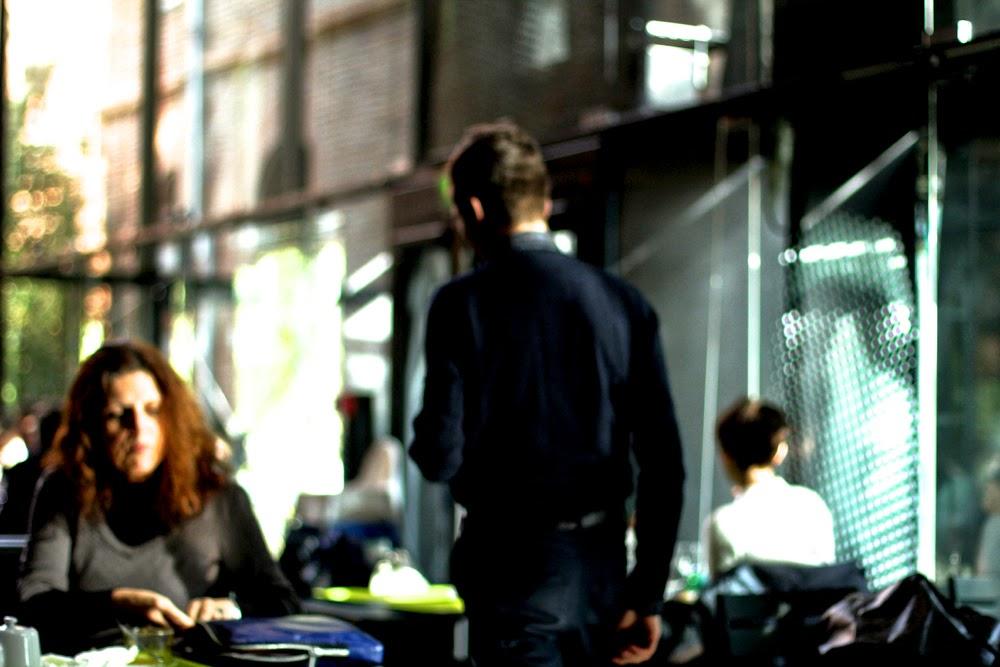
x=132, y=427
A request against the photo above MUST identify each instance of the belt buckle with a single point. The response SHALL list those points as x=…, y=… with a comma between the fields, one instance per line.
x=588, y=520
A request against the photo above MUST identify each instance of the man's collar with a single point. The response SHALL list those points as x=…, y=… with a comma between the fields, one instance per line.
x=532, y=241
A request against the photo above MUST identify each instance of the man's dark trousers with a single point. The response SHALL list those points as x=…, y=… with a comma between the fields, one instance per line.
x=540, y=596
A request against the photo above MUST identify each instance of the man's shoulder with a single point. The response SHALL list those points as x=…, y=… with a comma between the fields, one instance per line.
x=587, y=278
x=455, y=287
x=590, y=274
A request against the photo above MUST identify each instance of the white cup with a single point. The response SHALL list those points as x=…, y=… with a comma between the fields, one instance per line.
x=19, y=645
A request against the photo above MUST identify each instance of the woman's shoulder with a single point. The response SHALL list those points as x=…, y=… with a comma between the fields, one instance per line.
x=230, y=497
x=55, y=483
x=55, y=493
x=807, y=498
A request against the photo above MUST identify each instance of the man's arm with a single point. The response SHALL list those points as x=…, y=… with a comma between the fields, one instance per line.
x=438, y=435
x=659, y=493
x=660, y=486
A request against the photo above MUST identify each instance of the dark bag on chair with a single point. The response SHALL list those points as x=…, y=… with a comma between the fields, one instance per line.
x=909, y=621
x=301, y=640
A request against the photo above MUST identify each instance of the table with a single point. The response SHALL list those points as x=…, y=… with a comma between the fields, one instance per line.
x=432, y=635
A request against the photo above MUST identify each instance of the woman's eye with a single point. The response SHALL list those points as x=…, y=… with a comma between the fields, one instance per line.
x=153, y=410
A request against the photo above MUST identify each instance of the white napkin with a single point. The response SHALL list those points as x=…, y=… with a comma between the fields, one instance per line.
x=113, y=656
x=53, y=660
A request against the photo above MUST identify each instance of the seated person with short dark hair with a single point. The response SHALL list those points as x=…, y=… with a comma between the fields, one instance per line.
x=136, y=520
x=768, y=520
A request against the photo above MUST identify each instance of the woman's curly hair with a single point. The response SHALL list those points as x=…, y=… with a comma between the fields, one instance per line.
x=190, y=470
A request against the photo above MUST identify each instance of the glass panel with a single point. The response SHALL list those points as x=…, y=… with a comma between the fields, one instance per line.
x=695, y=49
x=686, y=244
x=428, y=527
x=969, y=331
x=850, y=372
x=284, y=399
x=964, y=20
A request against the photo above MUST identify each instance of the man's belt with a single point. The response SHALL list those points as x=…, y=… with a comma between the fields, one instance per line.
x=586, y=521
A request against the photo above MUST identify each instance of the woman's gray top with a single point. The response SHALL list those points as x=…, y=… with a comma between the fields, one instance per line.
x=72, y=563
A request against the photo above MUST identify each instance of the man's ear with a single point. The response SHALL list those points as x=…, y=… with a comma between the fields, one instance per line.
x=477, y=208
x=470, y=210
x=547, y=210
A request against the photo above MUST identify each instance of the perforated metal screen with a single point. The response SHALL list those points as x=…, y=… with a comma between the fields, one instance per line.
x=848, y=352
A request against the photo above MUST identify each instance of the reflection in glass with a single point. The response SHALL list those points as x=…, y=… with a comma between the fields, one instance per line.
x=849, y=368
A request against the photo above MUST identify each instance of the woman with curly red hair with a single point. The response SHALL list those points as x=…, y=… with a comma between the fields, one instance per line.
x=137, y=520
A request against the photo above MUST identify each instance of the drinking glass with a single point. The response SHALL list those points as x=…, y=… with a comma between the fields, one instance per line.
x=153, y=642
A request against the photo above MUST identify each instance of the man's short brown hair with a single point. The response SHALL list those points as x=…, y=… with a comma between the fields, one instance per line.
x=501, y=165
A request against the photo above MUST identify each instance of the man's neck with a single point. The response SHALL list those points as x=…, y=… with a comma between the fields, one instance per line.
x=538, y=225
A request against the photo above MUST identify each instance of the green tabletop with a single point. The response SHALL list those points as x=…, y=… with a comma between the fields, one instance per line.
x=438, y=599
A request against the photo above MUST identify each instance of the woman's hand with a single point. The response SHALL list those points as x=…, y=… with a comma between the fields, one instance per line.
x=213, y=609
x=155, y=608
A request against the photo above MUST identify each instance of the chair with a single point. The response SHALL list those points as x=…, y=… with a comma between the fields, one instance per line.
x=774, y=628
x=980, y=593
x=749, y=624
x=11, y=547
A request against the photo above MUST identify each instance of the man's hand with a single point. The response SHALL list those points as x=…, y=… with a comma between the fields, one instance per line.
x=213, y=609
x=155, y=608
x=640, y=637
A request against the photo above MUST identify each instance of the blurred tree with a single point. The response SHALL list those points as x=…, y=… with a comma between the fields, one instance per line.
x=42, y=202
x=42, y=198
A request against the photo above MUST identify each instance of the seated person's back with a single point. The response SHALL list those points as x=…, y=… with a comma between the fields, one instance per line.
x=769, y=520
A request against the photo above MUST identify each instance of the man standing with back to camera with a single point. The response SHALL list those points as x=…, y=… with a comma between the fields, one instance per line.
x=542, y=373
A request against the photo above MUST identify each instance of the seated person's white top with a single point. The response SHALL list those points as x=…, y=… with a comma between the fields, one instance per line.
x=768, y=520
x=771, y=521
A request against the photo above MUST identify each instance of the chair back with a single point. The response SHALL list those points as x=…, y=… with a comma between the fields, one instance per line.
x=776, y=627
x=979, y=593
x=11, y=547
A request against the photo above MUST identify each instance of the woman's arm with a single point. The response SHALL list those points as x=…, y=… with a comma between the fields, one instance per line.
x=65, y=616
x=260, y=587
x=48, y=601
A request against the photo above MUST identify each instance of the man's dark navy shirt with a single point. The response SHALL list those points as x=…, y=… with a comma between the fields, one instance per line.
x=542, y=372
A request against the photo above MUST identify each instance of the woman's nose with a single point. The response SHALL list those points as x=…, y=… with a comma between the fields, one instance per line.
x=143, y=422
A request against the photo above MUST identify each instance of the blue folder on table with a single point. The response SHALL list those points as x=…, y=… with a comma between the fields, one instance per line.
x=333, y=641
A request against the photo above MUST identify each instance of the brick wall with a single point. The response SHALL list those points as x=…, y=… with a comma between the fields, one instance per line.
x=241, y=129
x=125, y=48
x=359, y=98
x=120, y=144
x=238, y=28
x=318, y=8
x=175, y=40
x=120, y=123
x=514, y=58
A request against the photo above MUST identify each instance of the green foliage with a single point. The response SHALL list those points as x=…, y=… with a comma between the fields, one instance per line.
x=34, y=341
x=41, y=203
